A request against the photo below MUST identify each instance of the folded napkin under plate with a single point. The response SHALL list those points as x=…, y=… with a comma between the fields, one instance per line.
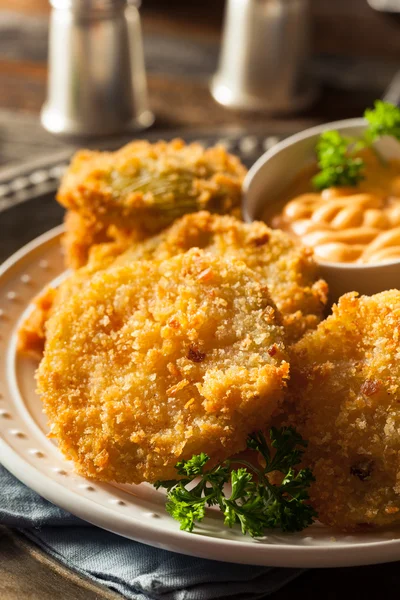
x=135, y=570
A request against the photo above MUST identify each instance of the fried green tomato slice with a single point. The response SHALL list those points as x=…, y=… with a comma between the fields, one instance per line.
x=149, y=363
x=345, y=400
x=287, y=268
x=143, y=187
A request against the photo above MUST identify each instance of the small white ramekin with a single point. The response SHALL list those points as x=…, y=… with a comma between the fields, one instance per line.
x=273, y=172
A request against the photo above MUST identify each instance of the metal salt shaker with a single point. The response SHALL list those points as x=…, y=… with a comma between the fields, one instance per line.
x=97, y=81
x=264, y=56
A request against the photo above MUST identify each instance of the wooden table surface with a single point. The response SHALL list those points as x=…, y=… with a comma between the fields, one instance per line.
x=356, y=53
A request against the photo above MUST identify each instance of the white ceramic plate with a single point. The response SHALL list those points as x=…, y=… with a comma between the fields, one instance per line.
x=136, y=512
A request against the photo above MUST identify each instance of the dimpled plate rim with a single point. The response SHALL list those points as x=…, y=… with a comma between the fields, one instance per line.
x=135, y=512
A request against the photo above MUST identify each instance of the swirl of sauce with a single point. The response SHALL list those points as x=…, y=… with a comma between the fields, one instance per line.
x=349, y=225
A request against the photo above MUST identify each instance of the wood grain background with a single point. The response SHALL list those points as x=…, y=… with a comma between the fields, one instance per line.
x=356, y=52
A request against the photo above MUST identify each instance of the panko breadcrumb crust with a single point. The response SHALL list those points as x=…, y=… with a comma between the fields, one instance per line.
x=81, y=233
x=32, y=333
x=148, y=363
x=141, y=188
x=287, y=269
x=344, y=398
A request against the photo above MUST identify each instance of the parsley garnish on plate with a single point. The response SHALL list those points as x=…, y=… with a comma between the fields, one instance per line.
x=252, y=500
x=337, y=154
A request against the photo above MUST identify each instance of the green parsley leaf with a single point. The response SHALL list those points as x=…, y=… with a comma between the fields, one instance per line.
x=383, y=119
x=254, y=502
x=194, y=466
x=337, y=154
x=337, y=167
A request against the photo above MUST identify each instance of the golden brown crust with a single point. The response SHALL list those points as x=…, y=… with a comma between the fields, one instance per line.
x=143, y=187
x=147, y=363
x=287, y=269
x=345, y=400
x=32, y=335
x=82, y=233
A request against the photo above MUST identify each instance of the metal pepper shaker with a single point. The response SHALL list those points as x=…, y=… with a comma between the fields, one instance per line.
x=264, y=56
x=96, y=82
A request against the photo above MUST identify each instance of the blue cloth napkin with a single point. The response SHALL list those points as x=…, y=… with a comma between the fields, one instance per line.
x=136, y=570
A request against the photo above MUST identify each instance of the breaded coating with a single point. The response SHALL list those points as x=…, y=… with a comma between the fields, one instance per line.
x=143, y=187
x=83, y=232
x=286, y=268
x=148, y=363
x=345, y=400
x=31, y=335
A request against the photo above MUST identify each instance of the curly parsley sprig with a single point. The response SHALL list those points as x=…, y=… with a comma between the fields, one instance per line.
x=253, y=501
x=383, y=119
x=337, y=154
